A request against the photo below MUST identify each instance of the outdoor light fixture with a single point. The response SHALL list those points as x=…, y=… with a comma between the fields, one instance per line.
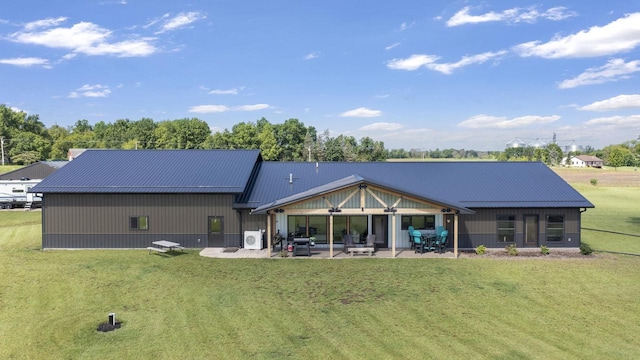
x=278, y=210
x=334, y=210
x=362, y=186
x=446, y=210
x=390, y=209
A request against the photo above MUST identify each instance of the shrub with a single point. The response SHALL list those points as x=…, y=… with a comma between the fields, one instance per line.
x=594, y=182
x=481, y=250
x=511, y=250
x=585, y=249
x=544, y=250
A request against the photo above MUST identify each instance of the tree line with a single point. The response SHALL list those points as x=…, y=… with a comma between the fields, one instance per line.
x=25, y=139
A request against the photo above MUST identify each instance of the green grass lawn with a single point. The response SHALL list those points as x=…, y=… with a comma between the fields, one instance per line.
x=616, y=211
x=189, y=307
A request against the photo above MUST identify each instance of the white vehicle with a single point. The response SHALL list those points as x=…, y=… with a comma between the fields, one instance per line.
x=15, y=193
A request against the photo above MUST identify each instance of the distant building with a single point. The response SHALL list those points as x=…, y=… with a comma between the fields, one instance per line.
x=583, y=161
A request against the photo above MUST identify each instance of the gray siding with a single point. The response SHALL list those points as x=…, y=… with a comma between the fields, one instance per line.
x=102, y=220
x=481, y=227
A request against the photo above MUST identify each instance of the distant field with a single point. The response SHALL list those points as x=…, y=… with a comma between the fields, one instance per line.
x=7, y=168
x=606, y=177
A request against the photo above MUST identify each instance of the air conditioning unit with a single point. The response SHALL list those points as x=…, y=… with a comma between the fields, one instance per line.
x=253, y=240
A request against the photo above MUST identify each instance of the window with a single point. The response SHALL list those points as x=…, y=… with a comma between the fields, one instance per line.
x=318, y=226
x=139, y=222
x=555, y=228
x=506, y=228
x=298, y=225
x=419, y=222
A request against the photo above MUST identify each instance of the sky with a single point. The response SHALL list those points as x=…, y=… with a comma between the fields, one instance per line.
x=414, y=74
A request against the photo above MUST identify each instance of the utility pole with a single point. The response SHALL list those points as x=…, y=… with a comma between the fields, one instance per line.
x=2, y=146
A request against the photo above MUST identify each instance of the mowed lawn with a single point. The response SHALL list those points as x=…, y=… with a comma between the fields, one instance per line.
x=189, y=307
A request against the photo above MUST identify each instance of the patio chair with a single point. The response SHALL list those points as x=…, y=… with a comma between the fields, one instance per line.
x=371, y=241
x=439, y=230
x=347, y=241
x=410, y=232
x=441, y=241
x=418, y=242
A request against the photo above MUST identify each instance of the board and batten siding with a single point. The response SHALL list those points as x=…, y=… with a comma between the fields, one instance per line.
x=103, y=220
x=481, y=228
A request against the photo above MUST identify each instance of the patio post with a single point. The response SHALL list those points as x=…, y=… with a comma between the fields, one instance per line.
x=268, y=234
x=331, y=235
x=455, y=235
x=393, y=235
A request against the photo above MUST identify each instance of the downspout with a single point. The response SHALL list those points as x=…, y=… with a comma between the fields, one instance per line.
x=240, y=225
x=43, y=222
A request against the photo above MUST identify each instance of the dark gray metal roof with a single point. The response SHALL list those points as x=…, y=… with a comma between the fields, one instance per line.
x=468, y=184
x=37, y=170
x=154, y=171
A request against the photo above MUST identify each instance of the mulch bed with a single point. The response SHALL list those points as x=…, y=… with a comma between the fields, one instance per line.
x=501, y=254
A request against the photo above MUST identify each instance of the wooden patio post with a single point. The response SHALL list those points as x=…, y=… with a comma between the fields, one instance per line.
x=268, y=235
x=455, y=235
x=393, y=235
x=331, y=235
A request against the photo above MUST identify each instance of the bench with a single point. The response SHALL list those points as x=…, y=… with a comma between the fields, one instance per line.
x=360, y=250
x=179, y=247
x=151, y=248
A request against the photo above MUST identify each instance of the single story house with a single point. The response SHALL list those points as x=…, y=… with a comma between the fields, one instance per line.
x=583, y=161
x=209, y=198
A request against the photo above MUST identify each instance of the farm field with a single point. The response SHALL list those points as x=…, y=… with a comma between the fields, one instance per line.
x=187, y=306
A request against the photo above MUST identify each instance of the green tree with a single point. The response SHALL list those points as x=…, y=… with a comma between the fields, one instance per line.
x=615, y=158
x=268, y=144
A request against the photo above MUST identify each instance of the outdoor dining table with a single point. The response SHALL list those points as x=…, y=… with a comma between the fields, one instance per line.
x=165, y=244
x=428, y=239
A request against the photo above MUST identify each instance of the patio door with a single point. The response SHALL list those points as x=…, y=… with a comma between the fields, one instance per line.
x=380, y=230
x=531, y=230
x=216, y=231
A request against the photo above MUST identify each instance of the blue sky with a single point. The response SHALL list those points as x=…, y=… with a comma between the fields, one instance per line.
x=414, y=74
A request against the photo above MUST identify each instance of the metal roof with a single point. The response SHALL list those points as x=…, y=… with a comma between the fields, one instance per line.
x=37, y=170
x=467, y=184
x=154, y=171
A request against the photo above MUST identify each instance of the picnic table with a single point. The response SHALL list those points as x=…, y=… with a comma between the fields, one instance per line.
x=164, y=246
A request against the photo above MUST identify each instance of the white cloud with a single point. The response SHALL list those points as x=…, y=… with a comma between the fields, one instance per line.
x=251, y=107
x=499, y=122
x=404, y=26
x=181, y=20
x=621, y=35
x=224, y=92
x=384, y=126
x=414, y=62
x=362, y=113
x=44, y=23
x=204, y=109
x=392, y=46
x=614, y=70
x=85, y=38
x=26, y=62
x=515, y=15
x=632, y=121
x=614, y=103
x=311, y=56
x=92, y=91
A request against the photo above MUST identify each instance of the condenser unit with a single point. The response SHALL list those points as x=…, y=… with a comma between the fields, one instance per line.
x=253, y=240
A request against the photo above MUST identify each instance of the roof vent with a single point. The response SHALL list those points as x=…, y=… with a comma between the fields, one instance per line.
x=290, y=178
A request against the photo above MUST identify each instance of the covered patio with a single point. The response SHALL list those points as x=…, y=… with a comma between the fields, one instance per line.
x=322, y=254
x=358, y=207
